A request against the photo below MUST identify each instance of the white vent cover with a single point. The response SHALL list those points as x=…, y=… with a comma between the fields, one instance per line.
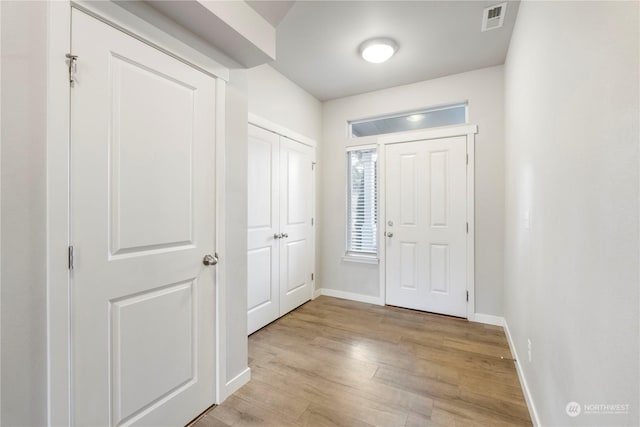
x=493, y=16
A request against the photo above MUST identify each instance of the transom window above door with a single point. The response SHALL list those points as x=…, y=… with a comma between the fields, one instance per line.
x=448, y=115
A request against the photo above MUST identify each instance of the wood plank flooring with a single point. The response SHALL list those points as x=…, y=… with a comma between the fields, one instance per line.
x=335, y=362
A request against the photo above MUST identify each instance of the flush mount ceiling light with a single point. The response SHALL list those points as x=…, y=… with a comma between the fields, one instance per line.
x=415, y=117
x=378, y=50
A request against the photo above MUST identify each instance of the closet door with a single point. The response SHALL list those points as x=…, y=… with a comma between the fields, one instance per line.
x=263, y=234
x=296, y=197
x=142, y=220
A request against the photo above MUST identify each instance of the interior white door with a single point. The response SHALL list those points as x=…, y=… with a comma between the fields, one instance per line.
x=426, y=227
x=263, y=293
x=142, y=219
x=296, y=251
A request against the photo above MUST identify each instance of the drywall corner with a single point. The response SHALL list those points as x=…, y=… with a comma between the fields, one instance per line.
x=235, y=256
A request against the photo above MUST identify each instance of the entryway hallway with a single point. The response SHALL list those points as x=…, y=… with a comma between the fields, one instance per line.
x=334, y=362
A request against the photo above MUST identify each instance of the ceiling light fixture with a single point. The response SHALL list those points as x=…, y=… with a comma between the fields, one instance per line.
x=378, y=50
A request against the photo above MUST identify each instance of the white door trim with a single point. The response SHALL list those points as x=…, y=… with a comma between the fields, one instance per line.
x=469, y=132
x=58, y=295
x=436, y=133
x=138, y=28
x=58, y=214
x=471, y=219
x=281, y=130
x=222, y=385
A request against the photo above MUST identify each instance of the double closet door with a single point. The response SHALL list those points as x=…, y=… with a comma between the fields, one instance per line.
x=280, y=238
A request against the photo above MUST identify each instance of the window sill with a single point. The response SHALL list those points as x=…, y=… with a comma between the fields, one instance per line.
x=362, y=259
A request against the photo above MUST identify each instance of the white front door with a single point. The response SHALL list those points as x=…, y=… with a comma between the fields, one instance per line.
x=296, y=198
x=426, y=229
x=142, y=219
x=263, y=255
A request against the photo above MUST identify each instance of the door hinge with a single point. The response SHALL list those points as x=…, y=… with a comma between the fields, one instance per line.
x=467, y=296
x=72, y=62
x=312, y=221
x=313, y=165
x=467, y=228
x=70, y=254
x=467, y=159
x=311, y=276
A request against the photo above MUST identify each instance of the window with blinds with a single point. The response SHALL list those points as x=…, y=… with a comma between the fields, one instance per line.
x=362, y=209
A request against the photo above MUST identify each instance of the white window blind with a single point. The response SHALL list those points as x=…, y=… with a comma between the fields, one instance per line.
x=362, y=210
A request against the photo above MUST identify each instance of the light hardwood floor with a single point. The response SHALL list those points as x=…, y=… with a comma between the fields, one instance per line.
x=335, y=362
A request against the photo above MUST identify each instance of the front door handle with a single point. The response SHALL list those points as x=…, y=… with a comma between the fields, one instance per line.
x=210, y=260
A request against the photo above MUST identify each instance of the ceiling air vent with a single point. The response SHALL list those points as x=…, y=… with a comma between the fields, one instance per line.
x=493, y=16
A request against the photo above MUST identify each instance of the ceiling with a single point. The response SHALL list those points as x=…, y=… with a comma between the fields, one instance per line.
x=317, y=42
x=271, y=10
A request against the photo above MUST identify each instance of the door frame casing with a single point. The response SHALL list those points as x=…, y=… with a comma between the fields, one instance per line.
x=59, y=363
x=468, y=131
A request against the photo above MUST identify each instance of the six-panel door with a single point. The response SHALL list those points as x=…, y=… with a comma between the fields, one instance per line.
x=142, y=219
x=426, y=205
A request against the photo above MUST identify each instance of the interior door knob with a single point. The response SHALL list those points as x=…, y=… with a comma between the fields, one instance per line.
x=389, y=234
x=285, y=235
x=210, y=260
x=276, y=236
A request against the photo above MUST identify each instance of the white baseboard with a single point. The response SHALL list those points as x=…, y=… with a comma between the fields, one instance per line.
x=523, y=382
x=234, y=385
x=488, y=319
x=317, y=293
x=350, y=296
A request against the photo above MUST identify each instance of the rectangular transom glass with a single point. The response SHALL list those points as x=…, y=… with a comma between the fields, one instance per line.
x=422, y=119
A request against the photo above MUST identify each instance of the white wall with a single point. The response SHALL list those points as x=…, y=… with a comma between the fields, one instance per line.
x=274, y=97
x=23, y=71
x=266, y=93
x=572, y=147
x=23, y=201
x=483, y=89
x=235, y=256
